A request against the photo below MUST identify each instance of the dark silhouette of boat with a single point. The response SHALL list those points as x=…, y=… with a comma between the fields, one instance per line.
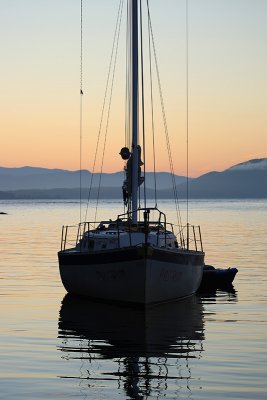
x=138, y=256
x=214, y=278
x=143, y=343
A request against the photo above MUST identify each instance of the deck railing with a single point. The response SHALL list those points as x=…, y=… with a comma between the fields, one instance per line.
x=188, y=236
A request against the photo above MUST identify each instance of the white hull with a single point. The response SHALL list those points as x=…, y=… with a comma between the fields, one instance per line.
x=145, y=281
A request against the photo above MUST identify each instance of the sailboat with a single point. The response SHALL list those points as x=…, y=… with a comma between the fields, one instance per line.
x=135, y=257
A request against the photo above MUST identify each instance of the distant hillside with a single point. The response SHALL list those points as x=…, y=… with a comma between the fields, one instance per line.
x=228, y=184
x=258, y=164
x=59, y=193
x=245, y=180
x=43, y=178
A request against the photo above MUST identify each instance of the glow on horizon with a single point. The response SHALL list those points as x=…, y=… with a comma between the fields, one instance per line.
x=40, y=83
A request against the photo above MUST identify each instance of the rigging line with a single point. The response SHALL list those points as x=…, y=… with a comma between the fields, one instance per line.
x=152, y=113
x=126, y=128
x=129, y=82
x=126, y=110
x=187, y=116
x=129, y=99
x=81, y=102
x=109, y=107
x=143, y=102
x=165, y=127
x=103, y=109
x=129, y=77
x=161, y=96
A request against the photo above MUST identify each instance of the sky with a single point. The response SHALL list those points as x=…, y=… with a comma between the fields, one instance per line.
x=40, y=83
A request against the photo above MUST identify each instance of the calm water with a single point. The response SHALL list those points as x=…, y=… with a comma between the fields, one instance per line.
x=211, y=346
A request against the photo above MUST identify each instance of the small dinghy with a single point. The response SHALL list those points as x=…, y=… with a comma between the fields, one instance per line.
x=217, y=277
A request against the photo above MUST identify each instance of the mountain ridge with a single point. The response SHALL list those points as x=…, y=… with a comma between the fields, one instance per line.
x=24, y=178
x=244, y=180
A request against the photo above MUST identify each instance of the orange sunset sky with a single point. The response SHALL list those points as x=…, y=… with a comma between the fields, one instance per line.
x=40, y=82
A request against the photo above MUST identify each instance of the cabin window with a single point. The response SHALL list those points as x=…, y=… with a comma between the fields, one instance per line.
x=91, y=244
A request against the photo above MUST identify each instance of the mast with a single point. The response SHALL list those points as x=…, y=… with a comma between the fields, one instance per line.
x=134, y=81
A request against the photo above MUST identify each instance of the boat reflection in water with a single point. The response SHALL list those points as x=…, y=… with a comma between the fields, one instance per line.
x=143, y=349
